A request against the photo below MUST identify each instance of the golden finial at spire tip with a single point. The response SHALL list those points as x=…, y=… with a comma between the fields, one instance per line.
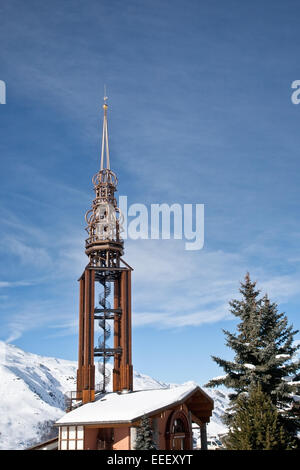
x=105, y=98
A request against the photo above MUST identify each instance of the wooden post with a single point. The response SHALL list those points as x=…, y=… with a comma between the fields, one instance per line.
x=126, y=372
x=81, y=338
x=203, y=436
x=117, y=337
x=88, y=392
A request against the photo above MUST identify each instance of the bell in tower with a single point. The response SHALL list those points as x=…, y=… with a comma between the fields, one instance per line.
x=108, y=273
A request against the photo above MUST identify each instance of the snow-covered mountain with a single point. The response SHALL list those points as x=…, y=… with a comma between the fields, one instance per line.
x=32, y=396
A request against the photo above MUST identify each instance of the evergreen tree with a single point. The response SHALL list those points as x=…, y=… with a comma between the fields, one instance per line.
x=255, y=424
x=144, y=438
x=264, y=352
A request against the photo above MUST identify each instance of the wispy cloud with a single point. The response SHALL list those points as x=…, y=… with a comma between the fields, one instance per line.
x=30, y=316
x=30, y=255
x=173, y=288
x=16, y=283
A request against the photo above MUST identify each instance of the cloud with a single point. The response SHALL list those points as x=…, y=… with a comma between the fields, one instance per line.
x=173, y=320
x=29, y=318
x=35, y=314
x=15, y=283
x=66, y=328
x=282, y=288
x=30, y=255
x=174, y=288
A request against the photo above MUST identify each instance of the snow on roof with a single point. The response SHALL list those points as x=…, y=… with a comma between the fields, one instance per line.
x=126, y=407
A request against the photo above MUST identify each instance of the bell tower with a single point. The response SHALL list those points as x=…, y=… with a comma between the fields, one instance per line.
x=104, y=290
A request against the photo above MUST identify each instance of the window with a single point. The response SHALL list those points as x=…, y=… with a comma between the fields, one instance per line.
x=71, y=438
x=178, y=426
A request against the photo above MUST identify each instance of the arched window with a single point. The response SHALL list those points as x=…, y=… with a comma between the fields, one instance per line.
x=178, y=426
x=178, y=431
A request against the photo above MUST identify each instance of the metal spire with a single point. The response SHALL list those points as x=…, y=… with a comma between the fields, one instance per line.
x=105, y=148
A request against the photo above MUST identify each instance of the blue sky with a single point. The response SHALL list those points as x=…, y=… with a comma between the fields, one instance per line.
x=200, y=111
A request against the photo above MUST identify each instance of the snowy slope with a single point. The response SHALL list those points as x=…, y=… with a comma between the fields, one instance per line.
x=221, y=402
x=32, y=392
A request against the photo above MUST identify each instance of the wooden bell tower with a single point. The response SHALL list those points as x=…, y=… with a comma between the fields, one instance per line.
x=108, y=272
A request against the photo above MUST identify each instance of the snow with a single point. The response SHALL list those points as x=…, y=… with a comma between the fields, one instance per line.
x=283, y=356
x=32, y=396
x=249, y=366
x=220, y=377
x=221, y=403
x=116, y=407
